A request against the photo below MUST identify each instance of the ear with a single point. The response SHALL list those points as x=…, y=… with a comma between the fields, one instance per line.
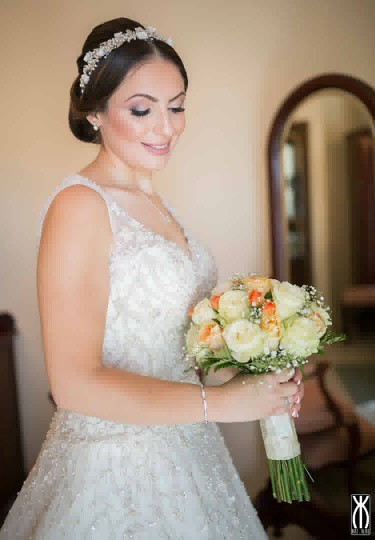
x=93, y=118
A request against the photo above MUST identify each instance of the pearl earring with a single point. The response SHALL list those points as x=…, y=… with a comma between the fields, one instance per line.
x=95, y=126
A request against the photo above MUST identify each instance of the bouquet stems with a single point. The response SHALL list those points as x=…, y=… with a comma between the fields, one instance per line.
x=287, y=471
x=288, y=479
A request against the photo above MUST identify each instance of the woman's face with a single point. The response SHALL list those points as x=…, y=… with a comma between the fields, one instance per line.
x=131, y=124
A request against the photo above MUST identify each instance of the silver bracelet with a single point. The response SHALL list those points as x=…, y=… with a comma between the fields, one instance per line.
x=204, y=402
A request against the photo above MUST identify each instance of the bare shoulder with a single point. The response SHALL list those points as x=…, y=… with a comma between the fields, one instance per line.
x=77, y=213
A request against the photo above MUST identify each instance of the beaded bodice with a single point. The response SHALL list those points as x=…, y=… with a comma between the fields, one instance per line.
x=153, y=285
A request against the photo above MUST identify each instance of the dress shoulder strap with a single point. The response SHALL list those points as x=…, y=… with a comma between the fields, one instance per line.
x=70, y=180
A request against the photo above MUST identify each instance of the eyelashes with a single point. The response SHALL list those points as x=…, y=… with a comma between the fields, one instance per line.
x=135, y=112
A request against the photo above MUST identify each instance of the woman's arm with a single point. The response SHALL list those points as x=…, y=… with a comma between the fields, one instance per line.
x=73, y=291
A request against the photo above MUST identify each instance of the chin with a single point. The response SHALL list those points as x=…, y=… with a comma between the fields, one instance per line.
x=144, y=167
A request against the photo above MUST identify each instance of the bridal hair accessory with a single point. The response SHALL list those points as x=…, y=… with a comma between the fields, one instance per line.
x=92, y=57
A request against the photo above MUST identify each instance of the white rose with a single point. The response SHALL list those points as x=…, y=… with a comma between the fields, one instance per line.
x=192, y=339
x=321, y=318
x=232, y=305
x=222, y=287
x=271, y=342
x=301, y=337
x=245, y=339
x=203, y=312
x=288, y=298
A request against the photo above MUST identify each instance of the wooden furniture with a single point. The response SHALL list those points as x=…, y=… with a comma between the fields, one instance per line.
x=360, y=152
x=334, y=449
x=12, y=473
x=358, y=302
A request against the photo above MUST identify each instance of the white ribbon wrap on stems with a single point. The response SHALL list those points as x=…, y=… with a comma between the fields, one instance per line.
x=280, y=437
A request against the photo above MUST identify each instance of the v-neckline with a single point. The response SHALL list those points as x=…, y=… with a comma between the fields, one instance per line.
x=143, y=226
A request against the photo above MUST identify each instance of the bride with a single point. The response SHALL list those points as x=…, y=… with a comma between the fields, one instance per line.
x=133, y=449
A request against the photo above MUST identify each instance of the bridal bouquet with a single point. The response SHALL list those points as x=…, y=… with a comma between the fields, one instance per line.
x=259, y=324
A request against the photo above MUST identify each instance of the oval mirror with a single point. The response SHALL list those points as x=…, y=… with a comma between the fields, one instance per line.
x=322, y=187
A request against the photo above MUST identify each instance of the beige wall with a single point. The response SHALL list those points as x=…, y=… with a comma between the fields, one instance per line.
x=243, y=58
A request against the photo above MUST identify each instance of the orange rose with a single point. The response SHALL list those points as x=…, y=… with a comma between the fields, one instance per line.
x=269, y=307
x=215, y=301
x=319, y=321
x=261, y=284
x=210, y=335
x=270, y=324
x=256, y=296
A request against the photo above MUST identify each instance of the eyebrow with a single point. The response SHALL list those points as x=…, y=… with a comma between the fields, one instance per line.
x=152, y=98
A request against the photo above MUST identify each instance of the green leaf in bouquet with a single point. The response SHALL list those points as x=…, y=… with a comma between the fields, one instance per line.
x=289, y=320
x=224, y=352
x=268, y=295
x=222, y=321
x=330, y=337
x=207, y=361
x=223, y=364
x=227, y=351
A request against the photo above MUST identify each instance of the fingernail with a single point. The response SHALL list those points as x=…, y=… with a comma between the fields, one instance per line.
x=299, y=381
x=294, y=414
x=298, y=399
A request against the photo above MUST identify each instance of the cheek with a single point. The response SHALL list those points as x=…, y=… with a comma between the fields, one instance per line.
x=179, y=124
x=127, y=128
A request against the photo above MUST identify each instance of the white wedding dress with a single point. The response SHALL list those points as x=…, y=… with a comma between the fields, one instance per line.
x=97, y=479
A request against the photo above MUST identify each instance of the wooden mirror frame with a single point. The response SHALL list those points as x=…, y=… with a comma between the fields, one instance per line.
x=359, y=89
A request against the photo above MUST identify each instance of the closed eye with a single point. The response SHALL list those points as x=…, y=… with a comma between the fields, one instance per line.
x=136, y=112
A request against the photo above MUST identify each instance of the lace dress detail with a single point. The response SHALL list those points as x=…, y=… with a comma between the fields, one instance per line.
x=97, y=479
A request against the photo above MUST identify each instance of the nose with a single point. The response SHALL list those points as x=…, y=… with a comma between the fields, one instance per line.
x=164, y=125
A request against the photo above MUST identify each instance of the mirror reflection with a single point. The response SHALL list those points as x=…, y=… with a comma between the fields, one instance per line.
x=328, y=186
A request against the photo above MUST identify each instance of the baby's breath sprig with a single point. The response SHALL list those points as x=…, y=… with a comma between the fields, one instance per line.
x=313, y=295
x=304, y=310
x=238, y=287
x=270, y=361
x=254, y=313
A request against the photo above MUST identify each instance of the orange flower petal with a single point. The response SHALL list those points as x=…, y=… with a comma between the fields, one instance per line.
x=205, y=333
x=255, y=296
x=215, y=301
x=269, y=307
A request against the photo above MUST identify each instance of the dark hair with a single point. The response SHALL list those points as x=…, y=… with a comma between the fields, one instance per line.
x=110, y=72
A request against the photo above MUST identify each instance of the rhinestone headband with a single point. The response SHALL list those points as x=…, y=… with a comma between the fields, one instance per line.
x=92, y=57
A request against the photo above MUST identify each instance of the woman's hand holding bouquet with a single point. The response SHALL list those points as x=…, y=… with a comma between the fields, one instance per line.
x=264, y=329
x=263, y=395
